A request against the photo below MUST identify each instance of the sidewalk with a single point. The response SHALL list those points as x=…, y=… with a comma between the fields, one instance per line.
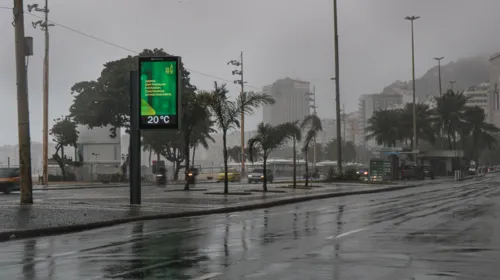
x=82, y=209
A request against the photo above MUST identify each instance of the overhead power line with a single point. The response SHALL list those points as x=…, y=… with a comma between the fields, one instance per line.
x=128, y=49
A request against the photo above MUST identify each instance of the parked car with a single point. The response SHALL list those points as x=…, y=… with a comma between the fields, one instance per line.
x=412, y=172
x=257, y=176
x=428, y=172
x=10, y=180
x=363, y=173
x=232, y=175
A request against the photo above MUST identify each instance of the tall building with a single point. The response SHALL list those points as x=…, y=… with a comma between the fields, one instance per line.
x=494, y=89
x=291, y=102
x=481, y=96
x=368, y=104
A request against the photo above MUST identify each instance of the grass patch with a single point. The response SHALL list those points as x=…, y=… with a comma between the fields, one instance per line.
x=269, y=191
x=231, y=193
x=298, y=187
x=190, y=190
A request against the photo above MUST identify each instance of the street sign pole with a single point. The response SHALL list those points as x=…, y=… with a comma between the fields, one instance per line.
x=135, y=141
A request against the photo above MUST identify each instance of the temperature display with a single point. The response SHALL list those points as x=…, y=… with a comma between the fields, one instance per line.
x=158, y=120
x=159, y=92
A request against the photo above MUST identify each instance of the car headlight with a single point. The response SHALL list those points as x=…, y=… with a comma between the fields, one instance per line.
x=249, y=176
x=262, y=176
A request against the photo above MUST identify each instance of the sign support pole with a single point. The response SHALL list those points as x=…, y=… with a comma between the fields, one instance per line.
x=135, y=141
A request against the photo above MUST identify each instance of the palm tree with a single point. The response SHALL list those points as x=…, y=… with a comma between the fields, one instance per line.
x=268, y=138
x=425, y=129
x=234, y=153
x=449, y=112
x=226, y=113
x=201, y=135
x=195, y=127
x=313, y=124
x=481, y=132
x=293, y=129
x=385, y=127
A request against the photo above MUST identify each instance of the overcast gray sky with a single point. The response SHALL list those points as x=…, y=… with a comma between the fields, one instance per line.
x=278, y=37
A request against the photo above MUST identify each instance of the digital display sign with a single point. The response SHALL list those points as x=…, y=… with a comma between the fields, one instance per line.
x=159, y=89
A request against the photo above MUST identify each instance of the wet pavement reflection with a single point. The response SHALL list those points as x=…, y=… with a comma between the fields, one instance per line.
x=440, y=232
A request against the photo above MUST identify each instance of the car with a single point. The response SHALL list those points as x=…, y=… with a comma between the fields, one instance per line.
x=428, y=172
x=257, y=175
x=412, y=172
x=10, y=179
x=233, y=175
x=363, y=173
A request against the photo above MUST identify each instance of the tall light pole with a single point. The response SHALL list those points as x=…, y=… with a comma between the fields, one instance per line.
x=44, y=26
x=241, y=82
x=312, y=98
x=412, y=19
x=337, y=86
x=451, y=84
x=439, y=74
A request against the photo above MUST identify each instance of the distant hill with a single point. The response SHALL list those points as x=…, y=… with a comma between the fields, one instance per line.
x=466, y=72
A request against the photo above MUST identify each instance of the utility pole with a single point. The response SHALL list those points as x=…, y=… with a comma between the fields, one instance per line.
x=412, y=19
x=313, y=100
x=343, y=121
x=337, y=86
x=451, y=84
x=241, y=82
x=439, y=74
x=44, y=26
x=23, y=120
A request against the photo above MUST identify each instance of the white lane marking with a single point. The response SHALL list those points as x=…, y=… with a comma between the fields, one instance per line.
x=346, y=233
x=208, y=276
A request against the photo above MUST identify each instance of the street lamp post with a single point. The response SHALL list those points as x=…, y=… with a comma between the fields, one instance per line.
x=439, y=74
x=337, y=85
x=412, y=19
x=241, y=82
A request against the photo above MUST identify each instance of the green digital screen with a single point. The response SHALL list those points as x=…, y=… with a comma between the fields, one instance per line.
x=159, y=92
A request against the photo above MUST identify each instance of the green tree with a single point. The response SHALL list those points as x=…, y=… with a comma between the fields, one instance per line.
x=268, y=138
x=106, y=101
x=294, y=131
x=449, y=112
x=481, y=132
x=313, y=125
x=424, y=116
x=64, y=133
x=385, y=127
x=226, y=113
x=196, y=126
x=348, y=151
x=234, y=153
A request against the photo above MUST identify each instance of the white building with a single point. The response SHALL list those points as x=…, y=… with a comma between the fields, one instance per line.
x=368, y=104
x=481, y=96
x=98, y=151
x=291, y=104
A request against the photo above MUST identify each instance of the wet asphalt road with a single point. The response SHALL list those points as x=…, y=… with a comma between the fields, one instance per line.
x=440, y=232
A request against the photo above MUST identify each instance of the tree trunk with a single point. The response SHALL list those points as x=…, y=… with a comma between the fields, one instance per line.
x=307, y=167
x=450, y=145
x=224, y=153
x=63, y=166
x=192, y=160
x=187, y=150
x=264, y=167
x=177, y=168
x=150, y=154
x=294, y=164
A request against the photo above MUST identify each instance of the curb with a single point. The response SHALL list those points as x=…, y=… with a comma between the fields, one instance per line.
x=29, y=233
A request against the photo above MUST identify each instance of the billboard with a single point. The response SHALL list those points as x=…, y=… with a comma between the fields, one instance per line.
x=159, y=90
